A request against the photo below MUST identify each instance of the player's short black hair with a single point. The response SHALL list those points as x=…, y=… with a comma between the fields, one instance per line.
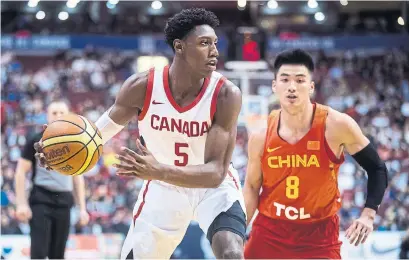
x=293, y=57
x=182, y=23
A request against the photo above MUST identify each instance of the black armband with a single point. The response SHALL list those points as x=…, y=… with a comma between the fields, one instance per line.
x=377, y=172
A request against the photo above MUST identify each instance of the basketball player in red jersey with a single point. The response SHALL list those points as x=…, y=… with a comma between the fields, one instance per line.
x=188, y=117
x=295, y=161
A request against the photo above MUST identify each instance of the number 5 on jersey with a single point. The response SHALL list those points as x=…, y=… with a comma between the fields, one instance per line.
x=184, y=157
x=292, y=190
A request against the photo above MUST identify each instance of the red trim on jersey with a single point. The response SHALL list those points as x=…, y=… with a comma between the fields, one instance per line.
x=142, y=203
x=333, y=158
x=235, y=182
x=213, y=105
x=170, y=97
x=148, y=95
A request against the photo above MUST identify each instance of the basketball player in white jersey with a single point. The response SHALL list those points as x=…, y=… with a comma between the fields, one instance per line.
x=187, y=117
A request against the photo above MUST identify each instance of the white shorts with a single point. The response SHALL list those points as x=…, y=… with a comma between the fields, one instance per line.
x=163, y=212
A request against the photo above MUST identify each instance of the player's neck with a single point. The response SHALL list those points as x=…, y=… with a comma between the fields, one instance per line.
x=182, y=79
x=298, y=120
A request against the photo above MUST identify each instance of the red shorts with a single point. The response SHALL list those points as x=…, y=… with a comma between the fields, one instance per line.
x=271, y=238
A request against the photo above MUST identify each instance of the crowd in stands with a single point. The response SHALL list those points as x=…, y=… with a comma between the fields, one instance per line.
x=133, y=19
x=373, y=90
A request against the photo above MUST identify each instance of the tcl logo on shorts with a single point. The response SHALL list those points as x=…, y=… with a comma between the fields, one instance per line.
x=290, y=212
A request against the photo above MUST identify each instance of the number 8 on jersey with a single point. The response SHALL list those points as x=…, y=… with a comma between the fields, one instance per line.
x=292, y=191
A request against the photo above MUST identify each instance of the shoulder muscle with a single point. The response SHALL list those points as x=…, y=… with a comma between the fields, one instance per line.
x=228, y=105
x=256, y=144
x=346, y=131
x=133, y=91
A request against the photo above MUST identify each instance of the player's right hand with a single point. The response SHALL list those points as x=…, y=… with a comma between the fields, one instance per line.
x=39, y=155
x=23, y=213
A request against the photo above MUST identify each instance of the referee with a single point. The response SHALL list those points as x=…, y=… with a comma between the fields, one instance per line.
x=404, y=247
x=51, y=198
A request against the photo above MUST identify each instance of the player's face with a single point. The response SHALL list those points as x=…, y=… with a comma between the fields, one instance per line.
x=293, y=85
x=55, y=110
x=200, y=50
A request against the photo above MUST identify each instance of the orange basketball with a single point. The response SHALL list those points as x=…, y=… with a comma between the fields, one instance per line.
x=72, y=144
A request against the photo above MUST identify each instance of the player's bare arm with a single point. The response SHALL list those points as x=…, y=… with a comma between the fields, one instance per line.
x=344, y=132
x=218, y=150
x=129, y=101
x=254, y=175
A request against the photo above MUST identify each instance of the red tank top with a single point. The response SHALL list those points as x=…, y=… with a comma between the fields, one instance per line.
x=300, y=181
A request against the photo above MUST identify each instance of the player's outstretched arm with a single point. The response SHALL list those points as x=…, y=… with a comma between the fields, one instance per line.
x=219, y=145
x=344, y=129
x=128, y=102
x=254, y=175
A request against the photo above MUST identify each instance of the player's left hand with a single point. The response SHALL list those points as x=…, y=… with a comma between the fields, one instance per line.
x=141, y=164
x=360, y=230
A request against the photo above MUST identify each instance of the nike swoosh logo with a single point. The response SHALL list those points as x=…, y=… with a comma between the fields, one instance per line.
x=270, y=150
x=156, y=102
x=383, y=250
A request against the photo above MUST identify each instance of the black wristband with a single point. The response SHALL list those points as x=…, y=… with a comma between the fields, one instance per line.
x=377, y=172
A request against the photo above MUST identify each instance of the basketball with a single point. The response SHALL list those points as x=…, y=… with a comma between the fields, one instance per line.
x=72, y=144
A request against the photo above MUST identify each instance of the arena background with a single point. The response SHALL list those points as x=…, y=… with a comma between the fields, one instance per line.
x=83, y=51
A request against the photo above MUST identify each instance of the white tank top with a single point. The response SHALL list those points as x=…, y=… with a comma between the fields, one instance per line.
x=177, y=135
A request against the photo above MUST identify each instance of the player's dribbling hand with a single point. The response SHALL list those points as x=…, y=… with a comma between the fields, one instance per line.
x=360, y=229
x=141, y=164
x=23, y=213
x=39, y=155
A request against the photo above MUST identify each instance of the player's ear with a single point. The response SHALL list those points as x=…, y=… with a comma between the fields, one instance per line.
x=178, y=46
x=274, y=86
x=312, y=87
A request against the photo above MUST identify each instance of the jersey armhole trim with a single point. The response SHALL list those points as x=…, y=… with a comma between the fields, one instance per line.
x=148, y=95
x=331, y=156
x=270, y=128
x=213, y=105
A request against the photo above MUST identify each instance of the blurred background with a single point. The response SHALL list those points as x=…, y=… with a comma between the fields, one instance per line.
x=84, y=50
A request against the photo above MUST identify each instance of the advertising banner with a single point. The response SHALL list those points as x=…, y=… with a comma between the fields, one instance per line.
x=367, y=42
x=380, y=245
x=107, y=246
x=148, y=44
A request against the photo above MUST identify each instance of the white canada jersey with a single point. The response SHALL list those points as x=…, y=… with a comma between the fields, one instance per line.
x=177, y=135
